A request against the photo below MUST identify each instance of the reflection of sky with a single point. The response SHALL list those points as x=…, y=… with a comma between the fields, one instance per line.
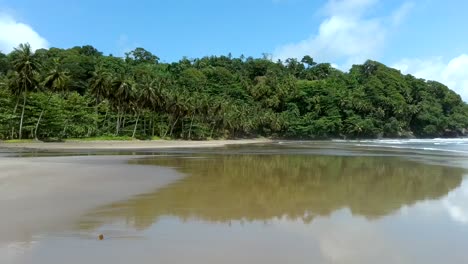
x=12, y=252
x=433, y=231
x=454, y=206
x=343, y=238
x=456, y=203
x=429, y=232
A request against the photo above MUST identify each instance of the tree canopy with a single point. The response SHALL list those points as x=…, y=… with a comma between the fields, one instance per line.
x=79, y=92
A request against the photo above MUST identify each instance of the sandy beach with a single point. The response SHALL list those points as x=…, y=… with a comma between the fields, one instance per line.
x=39, y=195
x=133, y=145
x=46, y=194
x=220, y=205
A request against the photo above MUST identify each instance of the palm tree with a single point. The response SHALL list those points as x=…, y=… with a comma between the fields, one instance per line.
x=26, y=67
x=198, y=104
x=14, y=85
x=148, y=97
x=136, y=105
x=177, y=107
x=55, y=80
x=99, y=86
x=122, y=92
x=214, y=110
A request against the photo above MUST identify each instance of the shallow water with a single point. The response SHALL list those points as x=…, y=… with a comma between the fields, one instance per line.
x=286, y=202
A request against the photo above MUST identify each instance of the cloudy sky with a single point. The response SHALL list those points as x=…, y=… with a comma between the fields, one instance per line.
x=426, y=38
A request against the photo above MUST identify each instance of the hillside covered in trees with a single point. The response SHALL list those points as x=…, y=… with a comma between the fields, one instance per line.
x=79, y=92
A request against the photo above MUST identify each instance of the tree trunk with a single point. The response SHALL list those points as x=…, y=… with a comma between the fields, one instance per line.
x=182, y=133
x=117, y=125
x=212, y=130
x=14, y=113
x=16, y=105
x=190, y=129
x=37, y=124
x=65, y=128
x=96, y=121
x=161, y=129
x=173, y=125
x=136, y=125
x=170, y=127
x=124, y=118
x=152, y=125
x=98, y=101
x=105, y=119
x=40, y=117
x=22, y=115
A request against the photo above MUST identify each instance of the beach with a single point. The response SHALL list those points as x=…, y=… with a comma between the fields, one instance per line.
x=200, y=202
x=129, y=145
x=46, y=195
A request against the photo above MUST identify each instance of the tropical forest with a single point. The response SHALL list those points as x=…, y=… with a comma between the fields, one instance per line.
x=56, y=94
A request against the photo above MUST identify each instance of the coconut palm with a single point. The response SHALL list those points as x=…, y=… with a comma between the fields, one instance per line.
x=99, y=86
x=123, y=88
x=145, y=97
x=56, y=80
x=177, y=106
x=26, y=67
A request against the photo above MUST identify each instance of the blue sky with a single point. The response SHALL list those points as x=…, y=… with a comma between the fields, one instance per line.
x=427, y=38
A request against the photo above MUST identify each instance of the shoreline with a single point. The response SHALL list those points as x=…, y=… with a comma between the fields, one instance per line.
x=129, y=145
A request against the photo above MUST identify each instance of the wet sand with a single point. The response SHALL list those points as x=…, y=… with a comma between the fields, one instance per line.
x=47, y=195
x=133, y=145
x=289, y=202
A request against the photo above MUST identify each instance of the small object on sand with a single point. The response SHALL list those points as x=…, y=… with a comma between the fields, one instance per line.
x=101, y=237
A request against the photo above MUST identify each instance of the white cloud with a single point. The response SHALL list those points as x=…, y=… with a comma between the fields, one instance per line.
x=346, y=35
x=453, y=73
x=348, y=7
x=401, y=13
x=13, y=33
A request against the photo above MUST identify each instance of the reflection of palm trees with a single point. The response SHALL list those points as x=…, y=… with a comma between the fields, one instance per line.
x=253, y=187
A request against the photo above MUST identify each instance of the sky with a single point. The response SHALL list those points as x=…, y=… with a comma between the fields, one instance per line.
x=426, y=38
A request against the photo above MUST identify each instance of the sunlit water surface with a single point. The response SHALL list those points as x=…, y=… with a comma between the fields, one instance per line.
x=387, y=201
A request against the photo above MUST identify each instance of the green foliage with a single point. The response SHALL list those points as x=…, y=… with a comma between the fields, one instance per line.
x=102, y=138
x=15, y=141
x=80, y=93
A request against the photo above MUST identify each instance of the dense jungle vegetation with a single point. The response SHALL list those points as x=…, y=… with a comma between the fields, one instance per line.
x=79, y=92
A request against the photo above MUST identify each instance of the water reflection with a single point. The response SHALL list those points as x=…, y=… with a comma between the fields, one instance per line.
x=456, y=203
x=225, y=188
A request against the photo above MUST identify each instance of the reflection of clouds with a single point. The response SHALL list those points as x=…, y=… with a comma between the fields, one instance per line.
x=456, y=203
x=356, y=242
x=339, y=238
x=453, y=206
x=342, y=238
x=12, y=252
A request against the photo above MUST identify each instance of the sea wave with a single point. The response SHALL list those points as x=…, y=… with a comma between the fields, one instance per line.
x=437, y=146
